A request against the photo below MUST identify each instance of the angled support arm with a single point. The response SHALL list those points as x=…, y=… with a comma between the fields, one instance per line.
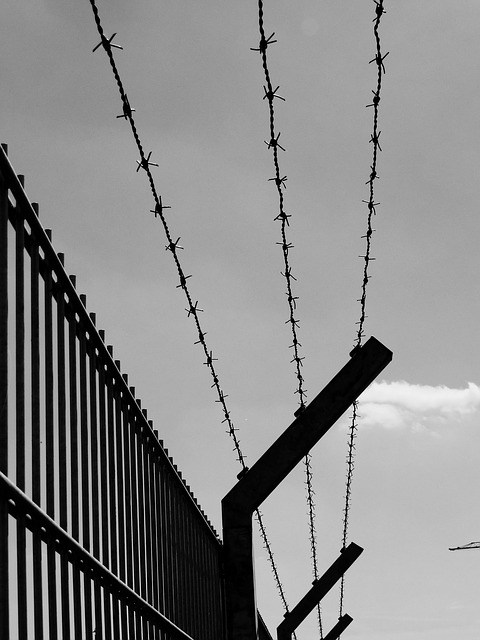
x=268, y=472
x=321, y=587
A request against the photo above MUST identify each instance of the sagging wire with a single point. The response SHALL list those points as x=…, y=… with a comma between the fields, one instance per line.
x=270, y=94
x=367, y=258
x=173, y=246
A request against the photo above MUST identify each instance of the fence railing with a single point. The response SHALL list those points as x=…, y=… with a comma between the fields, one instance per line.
x=99, y=535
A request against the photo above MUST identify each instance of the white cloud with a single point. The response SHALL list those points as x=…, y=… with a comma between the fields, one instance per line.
x=393, y=405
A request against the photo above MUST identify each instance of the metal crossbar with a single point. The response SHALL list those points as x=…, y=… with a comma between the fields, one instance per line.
x=99, y=534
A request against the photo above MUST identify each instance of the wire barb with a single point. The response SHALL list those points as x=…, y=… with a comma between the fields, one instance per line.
x=107, y=43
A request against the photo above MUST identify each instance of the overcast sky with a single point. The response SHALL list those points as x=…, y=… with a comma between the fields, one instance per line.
x=197, y=90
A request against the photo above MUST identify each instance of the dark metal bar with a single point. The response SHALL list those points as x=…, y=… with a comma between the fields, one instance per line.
x=339, y=628
x=35, y=370
x=73, y=416
x=134, y=499
x=170, y=593
x=93, y=454
x=62, y=411
x=85, y=483
x=50, y=450
x=77, y=602
x=49, y=391
x=104, y=451
x=142, y=542
x=62, y=457
x=159, y=536
x=112, y=473
x=120, y=468
x=65, y=594
x=94, y=488
x=3, y=323
x=104, y=490
x=321, y=587
x=127, y=496
x=21, y=577
x=20, y=418
x=85, y=476
x=20, y=348
x=4, y=575
x=52, y=590
x=37, y=582
x=269, y=471
x=149, y=508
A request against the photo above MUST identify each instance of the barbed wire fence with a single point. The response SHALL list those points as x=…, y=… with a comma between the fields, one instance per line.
x=192, y=309
x=367, y=258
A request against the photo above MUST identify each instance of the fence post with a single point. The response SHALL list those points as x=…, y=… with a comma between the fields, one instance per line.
x=272, y=468
x=4, y=582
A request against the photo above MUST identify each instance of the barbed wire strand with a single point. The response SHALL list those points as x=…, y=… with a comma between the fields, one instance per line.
x=367, y=258
x=273, y=143
x=193, y=309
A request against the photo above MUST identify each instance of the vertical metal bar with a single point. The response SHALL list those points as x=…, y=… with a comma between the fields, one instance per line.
x=92, y=375
x=104, y=448
x=35, y=385
x=21, y=576
x=73, y=416
x=141, y=544
x=200, y=578
x=52, y=590
x=77, y=601
x=92, y=358
x=134, y=498
x=85, y=484
x=4, y=578
x=186, y=614
x=20, y=417
x=111, y=471
x=62, y=410
x=169, y=592
x=158, y=533
x=50, y=449
x=127, y=492
x=120, y=516
x=49, y=391
x=37, y=584
x=149, y=517
x=62, y=456
x=35, y=368
x=20, y=348
x=124, y=618
x=152, y=502
x=3, y=327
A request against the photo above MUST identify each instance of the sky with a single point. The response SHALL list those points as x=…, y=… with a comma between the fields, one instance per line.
x=197, y=89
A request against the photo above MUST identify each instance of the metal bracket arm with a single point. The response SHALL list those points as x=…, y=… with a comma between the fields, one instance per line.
x=273, y=466
x=321, y=587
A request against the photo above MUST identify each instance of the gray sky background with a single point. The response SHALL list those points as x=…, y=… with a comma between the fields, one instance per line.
x=197, y=90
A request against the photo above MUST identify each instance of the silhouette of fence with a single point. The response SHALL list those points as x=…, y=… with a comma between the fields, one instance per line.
x=99, y=535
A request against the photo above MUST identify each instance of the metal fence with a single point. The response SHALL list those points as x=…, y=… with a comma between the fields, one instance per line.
x=99, y=535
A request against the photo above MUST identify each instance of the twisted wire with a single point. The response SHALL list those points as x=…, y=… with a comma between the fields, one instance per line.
x=282, y=217
x=367, y=258
x=273, y=143
x=193, y=309
x=312, y=531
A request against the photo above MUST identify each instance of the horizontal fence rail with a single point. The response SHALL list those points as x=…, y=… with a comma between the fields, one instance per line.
x=100, y=537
